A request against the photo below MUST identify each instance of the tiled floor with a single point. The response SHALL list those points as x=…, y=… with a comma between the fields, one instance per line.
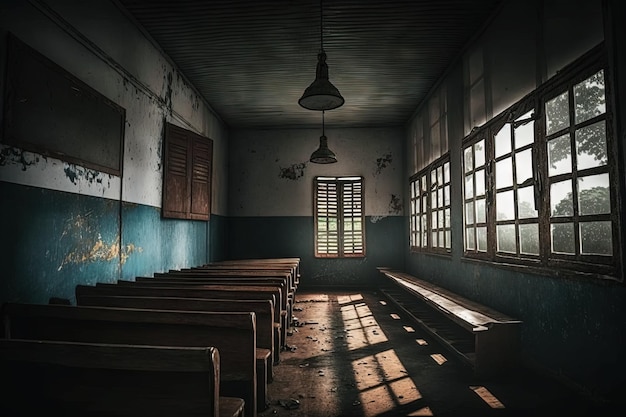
x=355, y=354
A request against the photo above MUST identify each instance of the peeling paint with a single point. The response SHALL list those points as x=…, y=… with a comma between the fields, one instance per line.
x=395, y=205
x=99, y=251
x=293, y=172
x=75, y=173
x=129, y=250
x=376, y=219
x=18, y=156
x=382, y=163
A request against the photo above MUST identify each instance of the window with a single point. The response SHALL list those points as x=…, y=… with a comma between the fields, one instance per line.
x=539, y=180
x=430, y=208
x=339, y=217
x=187, y=174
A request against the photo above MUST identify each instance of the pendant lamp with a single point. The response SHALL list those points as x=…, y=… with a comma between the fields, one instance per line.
x=323, y=155
x=321, y=94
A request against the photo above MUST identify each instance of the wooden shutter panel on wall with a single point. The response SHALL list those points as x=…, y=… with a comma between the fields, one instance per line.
x=187, y=174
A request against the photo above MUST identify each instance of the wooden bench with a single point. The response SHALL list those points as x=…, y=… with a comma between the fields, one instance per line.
x=94, y=379
x=263, y=309
x=241, y=275
x=232, y=333
x=200, y=278
x=485, y=339
x=293, y=263
x=242, y=292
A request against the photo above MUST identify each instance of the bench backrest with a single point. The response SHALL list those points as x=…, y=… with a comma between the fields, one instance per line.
x=91, y=379
x=189, y=291
x=232, y=333
x=263, y=309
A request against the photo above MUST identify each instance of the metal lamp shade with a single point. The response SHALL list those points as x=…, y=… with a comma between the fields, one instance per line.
x=321, y=94
x=323, y=155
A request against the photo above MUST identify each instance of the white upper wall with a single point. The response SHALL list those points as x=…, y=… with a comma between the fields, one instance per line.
x=99, y=44
x=270, y=172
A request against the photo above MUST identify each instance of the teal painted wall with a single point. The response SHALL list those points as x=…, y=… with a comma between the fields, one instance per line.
x=255, y=237
x=51, y=241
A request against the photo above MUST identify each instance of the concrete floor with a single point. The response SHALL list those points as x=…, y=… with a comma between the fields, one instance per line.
x=350, y=357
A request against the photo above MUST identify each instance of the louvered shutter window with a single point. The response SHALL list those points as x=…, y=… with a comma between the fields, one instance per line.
x=187, y=175
x=339, y=217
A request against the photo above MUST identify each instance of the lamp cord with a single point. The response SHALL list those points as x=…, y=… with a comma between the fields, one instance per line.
x=321, y=27
x=323, y=134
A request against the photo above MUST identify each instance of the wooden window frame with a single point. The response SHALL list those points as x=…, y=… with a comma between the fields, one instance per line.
x=333, y=195
x=548, y=261
x=187, y=174
x=428, y=184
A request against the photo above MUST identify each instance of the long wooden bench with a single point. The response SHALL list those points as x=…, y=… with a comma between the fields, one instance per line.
x=242, y=292
x=232, y=333
x=263, y=309
x=485, y=339
x=92, y=379
x=82, y=291
x=241, y=274
x=293, y=263
x=199, y=278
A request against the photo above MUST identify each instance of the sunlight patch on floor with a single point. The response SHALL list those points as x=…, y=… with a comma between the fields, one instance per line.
x=487, y=396
x=439, y=358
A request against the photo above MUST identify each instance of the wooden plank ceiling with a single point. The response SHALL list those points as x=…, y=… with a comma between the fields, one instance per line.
x=252, y=60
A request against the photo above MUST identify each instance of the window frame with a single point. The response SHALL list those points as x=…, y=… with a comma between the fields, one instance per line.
x=546, y=260
x=341, y=197
x=432, y=181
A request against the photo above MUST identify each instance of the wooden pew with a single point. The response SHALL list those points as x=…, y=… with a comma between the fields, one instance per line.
x=232, y=333
x=241, y=274
x=93, y=379
x=201, y=278
x=291, y=262
x=483, y=338
x=196, y=291
x=247, y=269
x=263, y=309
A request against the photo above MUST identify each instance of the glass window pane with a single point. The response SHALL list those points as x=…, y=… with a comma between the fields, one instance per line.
x=524, y=166
x=469, y=186
x=557, y=113
x=503, y=141
x=479, y=153
x=446, y=172
x=433, y=199
x=440, y=197
x=434, y=242
x=440, y=175
x=506, y=238
x=447, y=218
x=446, y=195
x=440, y=223
x=480, y=182
x=526, y=203
x=448, y=243
x=469, y=239
x=524, y=134
x=591, y=146
x=424, y=185
x=505, y=206
x=596, y=238
x=594, y=196
x=481, y=214
x=561, y=199
x=589, y=98
x=481, y=238
x=433, y=220
x=424, y=230
x=562, y=236
x=413, y=185
x=433, y=178
x=441, y=239
x=529, y=239
x=469, y=213
x=559, y=156
x=504, y=173
x=418, y=204
x=469, y=159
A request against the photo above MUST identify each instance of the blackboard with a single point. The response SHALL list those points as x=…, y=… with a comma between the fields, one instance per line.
x=50, y=111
